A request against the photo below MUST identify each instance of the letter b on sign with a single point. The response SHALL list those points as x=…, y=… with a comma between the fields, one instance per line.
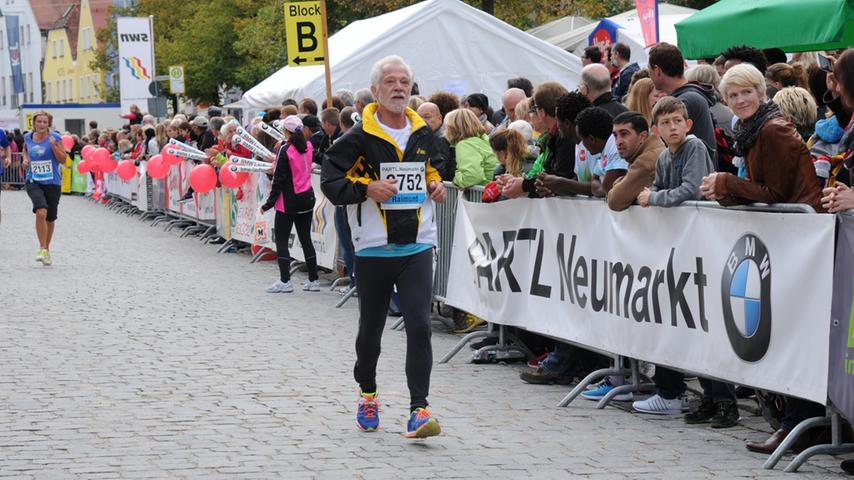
x=303, y=33
x=306, y=37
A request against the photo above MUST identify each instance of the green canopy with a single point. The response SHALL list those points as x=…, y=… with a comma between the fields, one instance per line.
x=792, y=25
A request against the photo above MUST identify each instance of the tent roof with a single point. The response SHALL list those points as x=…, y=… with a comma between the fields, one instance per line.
x=575, y=39
x=427, y=36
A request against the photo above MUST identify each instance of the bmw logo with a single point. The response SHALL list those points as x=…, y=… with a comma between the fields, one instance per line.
x=746, y=298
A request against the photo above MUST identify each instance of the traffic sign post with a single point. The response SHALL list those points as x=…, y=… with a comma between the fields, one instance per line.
x=307, y=37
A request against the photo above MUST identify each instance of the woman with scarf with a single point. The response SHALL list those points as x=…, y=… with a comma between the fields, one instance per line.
x=777, y=165
x=777, y=169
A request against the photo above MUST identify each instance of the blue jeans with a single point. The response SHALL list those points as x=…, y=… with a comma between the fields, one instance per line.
x=346, y=243
x=560, y=361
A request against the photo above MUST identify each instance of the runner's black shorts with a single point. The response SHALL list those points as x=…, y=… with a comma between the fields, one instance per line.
x=45, y=196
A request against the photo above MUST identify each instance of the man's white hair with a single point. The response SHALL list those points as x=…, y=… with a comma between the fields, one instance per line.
x=377, y=69
x=229, y=125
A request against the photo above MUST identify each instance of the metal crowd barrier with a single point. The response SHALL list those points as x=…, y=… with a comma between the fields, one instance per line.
x=445, y=219
x=14, y=175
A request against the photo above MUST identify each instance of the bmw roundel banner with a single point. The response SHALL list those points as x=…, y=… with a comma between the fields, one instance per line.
x=736, y=295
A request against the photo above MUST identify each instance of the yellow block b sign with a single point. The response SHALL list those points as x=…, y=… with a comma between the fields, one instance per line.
x=304, y=33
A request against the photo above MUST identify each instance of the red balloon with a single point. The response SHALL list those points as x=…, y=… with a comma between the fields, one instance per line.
x=83, y=167
x=232, y=179
x=67, y=141
x=84, y=153
x=169, y=156
x=126, y=170
x=109, y=165
x=157, y=168
x=203, y=178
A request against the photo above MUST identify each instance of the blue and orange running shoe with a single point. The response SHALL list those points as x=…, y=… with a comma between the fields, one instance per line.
x=422, y=424
x=367, y=414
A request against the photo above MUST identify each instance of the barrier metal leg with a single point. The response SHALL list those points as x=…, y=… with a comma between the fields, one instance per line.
x=225, y=246
x=257, y=256
x=634, y=385
x=399, y=324
x=587, y=381
x=296, y=266
x=338, y=281
x=504, y=349
x=489, y=332
x=835, y=447
x=192, y=230
x=792, y=437
x=208, y=234
x=349, y=293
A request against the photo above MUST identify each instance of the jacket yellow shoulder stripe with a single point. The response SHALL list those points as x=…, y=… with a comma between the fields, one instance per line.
x=370, y=126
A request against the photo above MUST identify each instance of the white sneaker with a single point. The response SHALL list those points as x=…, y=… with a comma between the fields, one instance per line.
x=280, y=287
x=46, y=260
x=662, y=406
x=313, y=286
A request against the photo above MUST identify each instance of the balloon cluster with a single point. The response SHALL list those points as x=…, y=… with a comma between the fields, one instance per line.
x=203, y=177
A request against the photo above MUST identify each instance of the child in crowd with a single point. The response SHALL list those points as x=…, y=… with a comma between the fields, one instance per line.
x=678, y=175
x=683, y=164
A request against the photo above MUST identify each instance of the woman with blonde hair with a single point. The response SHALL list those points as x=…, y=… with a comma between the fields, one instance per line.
x=160, y=136
x=476, y=162
x=798, y=107
x=511, y=149
x=642, y=97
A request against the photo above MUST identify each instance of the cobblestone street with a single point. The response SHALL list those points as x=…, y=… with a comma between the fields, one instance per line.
x=139, y=354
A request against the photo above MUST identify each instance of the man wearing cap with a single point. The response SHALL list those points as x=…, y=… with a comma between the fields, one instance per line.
x=382, y=171
x=205, y=139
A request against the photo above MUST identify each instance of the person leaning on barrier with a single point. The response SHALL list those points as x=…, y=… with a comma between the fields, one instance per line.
x=682, y=166
x=597, y=163
x=640, y=150
x=840, y=197
x=394, y=246
x=778, y=167
x=677, y=178
x=475, y=160
x=557, y=154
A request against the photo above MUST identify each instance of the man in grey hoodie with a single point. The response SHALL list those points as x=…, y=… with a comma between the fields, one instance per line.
x=667, y=71
x=683, y=164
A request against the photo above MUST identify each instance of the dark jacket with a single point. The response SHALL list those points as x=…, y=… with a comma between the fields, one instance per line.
x=607, y=102
x=780, y=170
x=699, y=99
x=621, y=84
x=352, y=162
x=322, y=142
x=557, y=157
x=444, y=161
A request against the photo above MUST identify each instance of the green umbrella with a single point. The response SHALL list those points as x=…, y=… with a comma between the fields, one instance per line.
x=792, y=25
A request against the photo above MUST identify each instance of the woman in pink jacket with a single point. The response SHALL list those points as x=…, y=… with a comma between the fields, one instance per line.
x=293, y=198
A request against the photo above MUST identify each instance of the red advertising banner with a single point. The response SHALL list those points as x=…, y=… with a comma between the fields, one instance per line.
x=648, y=16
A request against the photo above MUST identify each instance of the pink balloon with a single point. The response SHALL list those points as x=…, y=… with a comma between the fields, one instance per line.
x=100, y=155
x=169, y=156
x=109, y=165
x=84, y=153
x=157, y=168
x=83, y=167
x=67, y=141
x=203, y=178
x=231, y=179
x=126, y=170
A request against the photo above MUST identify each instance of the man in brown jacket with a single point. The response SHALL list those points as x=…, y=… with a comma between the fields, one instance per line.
x=641, y=149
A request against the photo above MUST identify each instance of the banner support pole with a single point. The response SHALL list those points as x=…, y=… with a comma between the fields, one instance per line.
x=326, y=55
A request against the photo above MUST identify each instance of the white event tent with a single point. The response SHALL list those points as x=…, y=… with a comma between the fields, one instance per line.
x=571, y=33
x=450, y=46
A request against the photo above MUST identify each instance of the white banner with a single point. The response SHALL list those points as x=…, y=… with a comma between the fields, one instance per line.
x=242, y=220
x=735, y=295
x=136, y=61
x=177, y=183
x=127, y=191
